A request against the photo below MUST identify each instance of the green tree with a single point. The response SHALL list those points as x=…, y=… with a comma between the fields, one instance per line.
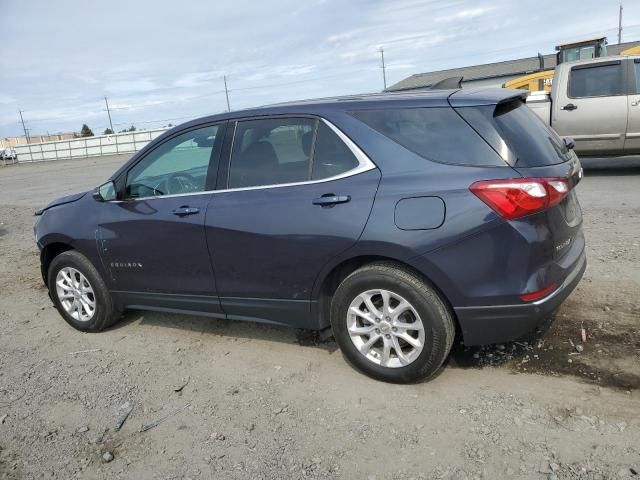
x=108, y=131
x=85, y=131
x=132, y=129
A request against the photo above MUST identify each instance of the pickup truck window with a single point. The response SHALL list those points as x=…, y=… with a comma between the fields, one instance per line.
x=600, y=80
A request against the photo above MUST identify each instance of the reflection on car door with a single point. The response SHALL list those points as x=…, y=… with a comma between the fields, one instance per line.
x=152, y=241
x=591, y=107
x=632, y=140
x=306, y=199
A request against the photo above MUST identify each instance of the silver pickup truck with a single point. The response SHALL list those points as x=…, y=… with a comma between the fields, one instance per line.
x=595, y=102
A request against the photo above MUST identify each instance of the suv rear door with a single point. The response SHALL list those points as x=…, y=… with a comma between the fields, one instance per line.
x=295, y=193
x=590, y=106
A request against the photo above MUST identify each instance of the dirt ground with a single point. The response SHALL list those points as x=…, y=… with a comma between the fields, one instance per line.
x=217, y=399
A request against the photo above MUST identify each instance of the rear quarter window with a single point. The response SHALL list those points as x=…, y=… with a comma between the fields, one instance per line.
x=435, y=133
x=529, y=141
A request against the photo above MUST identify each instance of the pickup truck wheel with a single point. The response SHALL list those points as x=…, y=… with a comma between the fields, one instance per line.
x=391, y=324
x=79, y=293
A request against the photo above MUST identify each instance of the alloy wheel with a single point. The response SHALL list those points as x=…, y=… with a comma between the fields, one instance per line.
x=75, y=294
x=385, y=328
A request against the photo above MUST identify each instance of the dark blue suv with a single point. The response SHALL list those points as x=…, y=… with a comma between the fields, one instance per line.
x=392, y=219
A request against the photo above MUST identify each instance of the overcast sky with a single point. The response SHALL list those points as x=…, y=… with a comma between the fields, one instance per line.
x=162, y=61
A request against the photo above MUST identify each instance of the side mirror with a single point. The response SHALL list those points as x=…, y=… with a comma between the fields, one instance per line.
x=105, y=192
x=569, y=143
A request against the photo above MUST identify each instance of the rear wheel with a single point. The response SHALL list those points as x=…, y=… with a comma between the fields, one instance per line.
x=391, y=324
x=79, y=293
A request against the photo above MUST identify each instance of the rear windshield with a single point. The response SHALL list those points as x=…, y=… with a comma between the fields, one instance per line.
x=435, y=133
x=530, y=141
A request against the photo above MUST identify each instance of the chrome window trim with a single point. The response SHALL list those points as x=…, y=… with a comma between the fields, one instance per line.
x=364, y=165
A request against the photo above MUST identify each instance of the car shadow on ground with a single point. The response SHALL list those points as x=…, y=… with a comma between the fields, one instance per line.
x=611, y=166
x=229, y=328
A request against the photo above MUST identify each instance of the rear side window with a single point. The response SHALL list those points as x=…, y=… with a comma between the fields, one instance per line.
x=636, y=70
x=271, y=151
x=275, y=151
x=438, y=134
x=597, y=81
x=529, y=142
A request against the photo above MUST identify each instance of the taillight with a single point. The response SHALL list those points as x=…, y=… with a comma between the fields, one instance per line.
x=516, y=197
x=529, y=297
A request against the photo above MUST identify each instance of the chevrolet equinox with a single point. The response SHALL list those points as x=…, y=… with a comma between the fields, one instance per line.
x=395, y=220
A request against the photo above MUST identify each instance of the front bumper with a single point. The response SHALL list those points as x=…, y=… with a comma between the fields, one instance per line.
x=501, y=323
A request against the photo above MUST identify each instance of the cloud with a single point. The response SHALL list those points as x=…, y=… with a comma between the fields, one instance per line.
x=128, y=86
x=6, y=99
x=154, y=66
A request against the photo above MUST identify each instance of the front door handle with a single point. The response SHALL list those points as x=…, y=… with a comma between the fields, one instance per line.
x=636, y=103
x=569, y=106
x=330, y=199
x=185, y=210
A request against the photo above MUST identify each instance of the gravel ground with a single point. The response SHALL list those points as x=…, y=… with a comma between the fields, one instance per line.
x=208, y=398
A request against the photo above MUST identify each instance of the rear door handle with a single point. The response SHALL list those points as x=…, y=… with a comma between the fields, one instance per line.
x=330, y=199
x=569, y=106
x=184, y=211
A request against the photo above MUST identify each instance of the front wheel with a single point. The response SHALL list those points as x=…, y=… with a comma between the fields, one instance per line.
x=391, y=324
x=79, y=293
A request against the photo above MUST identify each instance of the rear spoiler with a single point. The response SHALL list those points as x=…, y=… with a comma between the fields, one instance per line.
x=485, y=96
x=450, y=83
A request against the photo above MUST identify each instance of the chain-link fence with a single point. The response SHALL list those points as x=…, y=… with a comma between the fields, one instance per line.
x=127, y=142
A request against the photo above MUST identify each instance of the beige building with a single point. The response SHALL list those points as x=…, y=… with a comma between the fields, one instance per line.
x=9, y=142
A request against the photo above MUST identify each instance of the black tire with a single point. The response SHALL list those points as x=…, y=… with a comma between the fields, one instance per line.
x=436, y=316
x=105, y=314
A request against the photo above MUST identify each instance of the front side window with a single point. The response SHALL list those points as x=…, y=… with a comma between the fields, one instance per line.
x=596, y=81
x=276, y=151
x=636, y=65
x=177, y=166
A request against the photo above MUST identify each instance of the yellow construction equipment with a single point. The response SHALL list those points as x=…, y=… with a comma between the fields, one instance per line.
x=566, y=52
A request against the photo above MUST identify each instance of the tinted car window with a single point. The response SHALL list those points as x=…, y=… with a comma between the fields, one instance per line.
x=636, y=65
x=596, y=81
x=437, y=134
x=331, y=156
x=271, y=151
x=177, y=166
x=531, y=141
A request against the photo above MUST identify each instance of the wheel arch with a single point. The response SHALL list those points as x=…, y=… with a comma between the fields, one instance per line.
x=327, y=286
x=48, y=253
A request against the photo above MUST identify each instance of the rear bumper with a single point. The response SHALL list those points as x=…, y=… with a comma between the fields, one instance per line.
x=500, y=323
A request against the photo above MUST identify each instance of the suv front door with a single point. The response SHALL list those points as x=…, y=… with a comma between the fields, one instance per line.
x=152, y=240
x=296, y=193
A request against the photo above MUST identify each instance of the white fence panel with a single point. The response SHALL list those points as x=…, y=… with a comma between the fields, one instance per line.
x=87, y=147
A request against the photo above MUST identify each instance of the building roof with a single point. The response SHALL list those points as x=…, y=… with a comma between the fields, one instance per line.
x=520, y=66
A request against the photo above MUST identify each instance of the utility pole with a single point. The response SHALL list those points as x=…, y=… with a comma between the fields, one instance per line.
x=26, y=135
x=384, y=69
x=108, y=113
x=226, y=92
x=620, y=24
